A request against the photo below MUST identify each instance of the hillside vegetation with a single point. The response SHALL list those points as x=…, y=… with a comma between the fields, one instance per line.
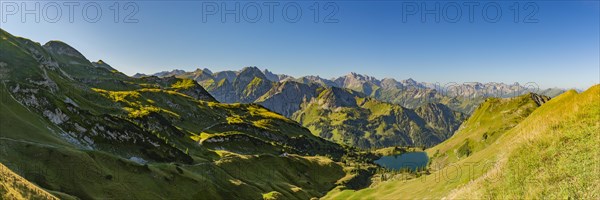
x=13, y=186
x=511, y=148
x=351, y=118
x=80, y=129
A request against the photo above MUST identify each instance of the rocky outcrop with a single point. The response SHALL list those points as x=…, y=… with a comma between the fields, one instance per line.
x=287, y=97
x=539, y=99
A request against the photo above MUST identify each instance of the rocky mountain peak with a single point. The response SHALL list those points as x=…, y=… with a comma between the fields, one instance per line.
x=337, y=97
x=250, y=73
x=202, y=71
x=390, y=83
x=271, y=76
x=228, y=75
x=139, y=75
x=409, y=81
x=62, y=48
x=102, y=64
x=174, y=72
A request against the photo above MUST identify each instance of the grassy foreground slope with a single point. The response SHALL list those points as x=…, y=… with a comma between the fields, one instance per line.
x=551, y=153
x=490, y=121
x=13, y=186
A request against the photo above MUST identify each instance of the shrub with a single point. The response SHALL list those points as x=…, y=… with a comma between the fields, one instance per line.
x=464, y=149
x=183, y=84
x=272, y=195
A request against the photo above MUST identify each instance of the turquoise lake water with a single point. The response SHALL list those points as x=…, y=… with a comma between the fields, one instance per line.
x=409, y=160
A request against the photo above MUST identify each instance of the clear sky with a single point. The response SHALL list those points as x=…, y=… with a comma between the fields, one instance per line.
x=553, y=43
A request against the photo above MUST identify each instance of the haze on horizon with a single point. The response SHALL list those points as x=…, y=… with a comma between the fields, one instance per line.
x=560, y=48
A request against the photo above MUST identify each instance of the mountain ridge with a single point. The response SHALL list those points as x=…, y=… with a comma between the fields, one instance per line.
x=95, y=130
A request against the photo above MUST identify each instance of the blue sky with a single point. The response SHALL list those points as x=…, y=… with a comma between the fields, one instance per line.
x=370, y=37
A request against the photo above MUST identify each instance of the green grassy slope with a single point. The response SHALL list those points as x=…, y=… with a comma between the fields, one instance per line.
x=82, y=131
x=489, y=121
x=550, y=153
x=553, y=153
x=13, y=186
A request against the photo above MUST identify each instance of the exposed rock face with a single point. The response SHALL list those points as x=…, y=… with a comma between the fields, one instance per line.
x=272, y=77
x=390, y=83
x=4, y=70
x=250, y=84
x=357, y=82
x=228, y=75
x=223, y=91
x=287, y=97
x=57, y=116
x=539, y=99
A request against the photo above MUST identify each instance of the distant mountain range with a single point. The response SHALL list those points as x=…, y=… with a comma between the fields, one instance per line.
x=355, y=109
x=407, y=93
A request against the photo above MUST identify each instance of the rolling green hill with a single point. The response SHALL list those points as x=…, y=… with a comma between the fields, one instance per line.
x=511, y=148
x=81, y=130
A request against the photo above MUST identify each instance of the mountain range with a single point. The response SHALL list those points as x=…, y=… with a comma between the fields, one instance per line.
x=408, y=93
x=356, y=110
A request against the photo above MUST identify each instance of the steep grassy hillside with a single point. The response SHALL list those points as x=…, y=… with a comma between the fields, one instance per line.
x=490, y=120
x=79, y=130
x=553, y=153
x=548, y=152
x=13, y=186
